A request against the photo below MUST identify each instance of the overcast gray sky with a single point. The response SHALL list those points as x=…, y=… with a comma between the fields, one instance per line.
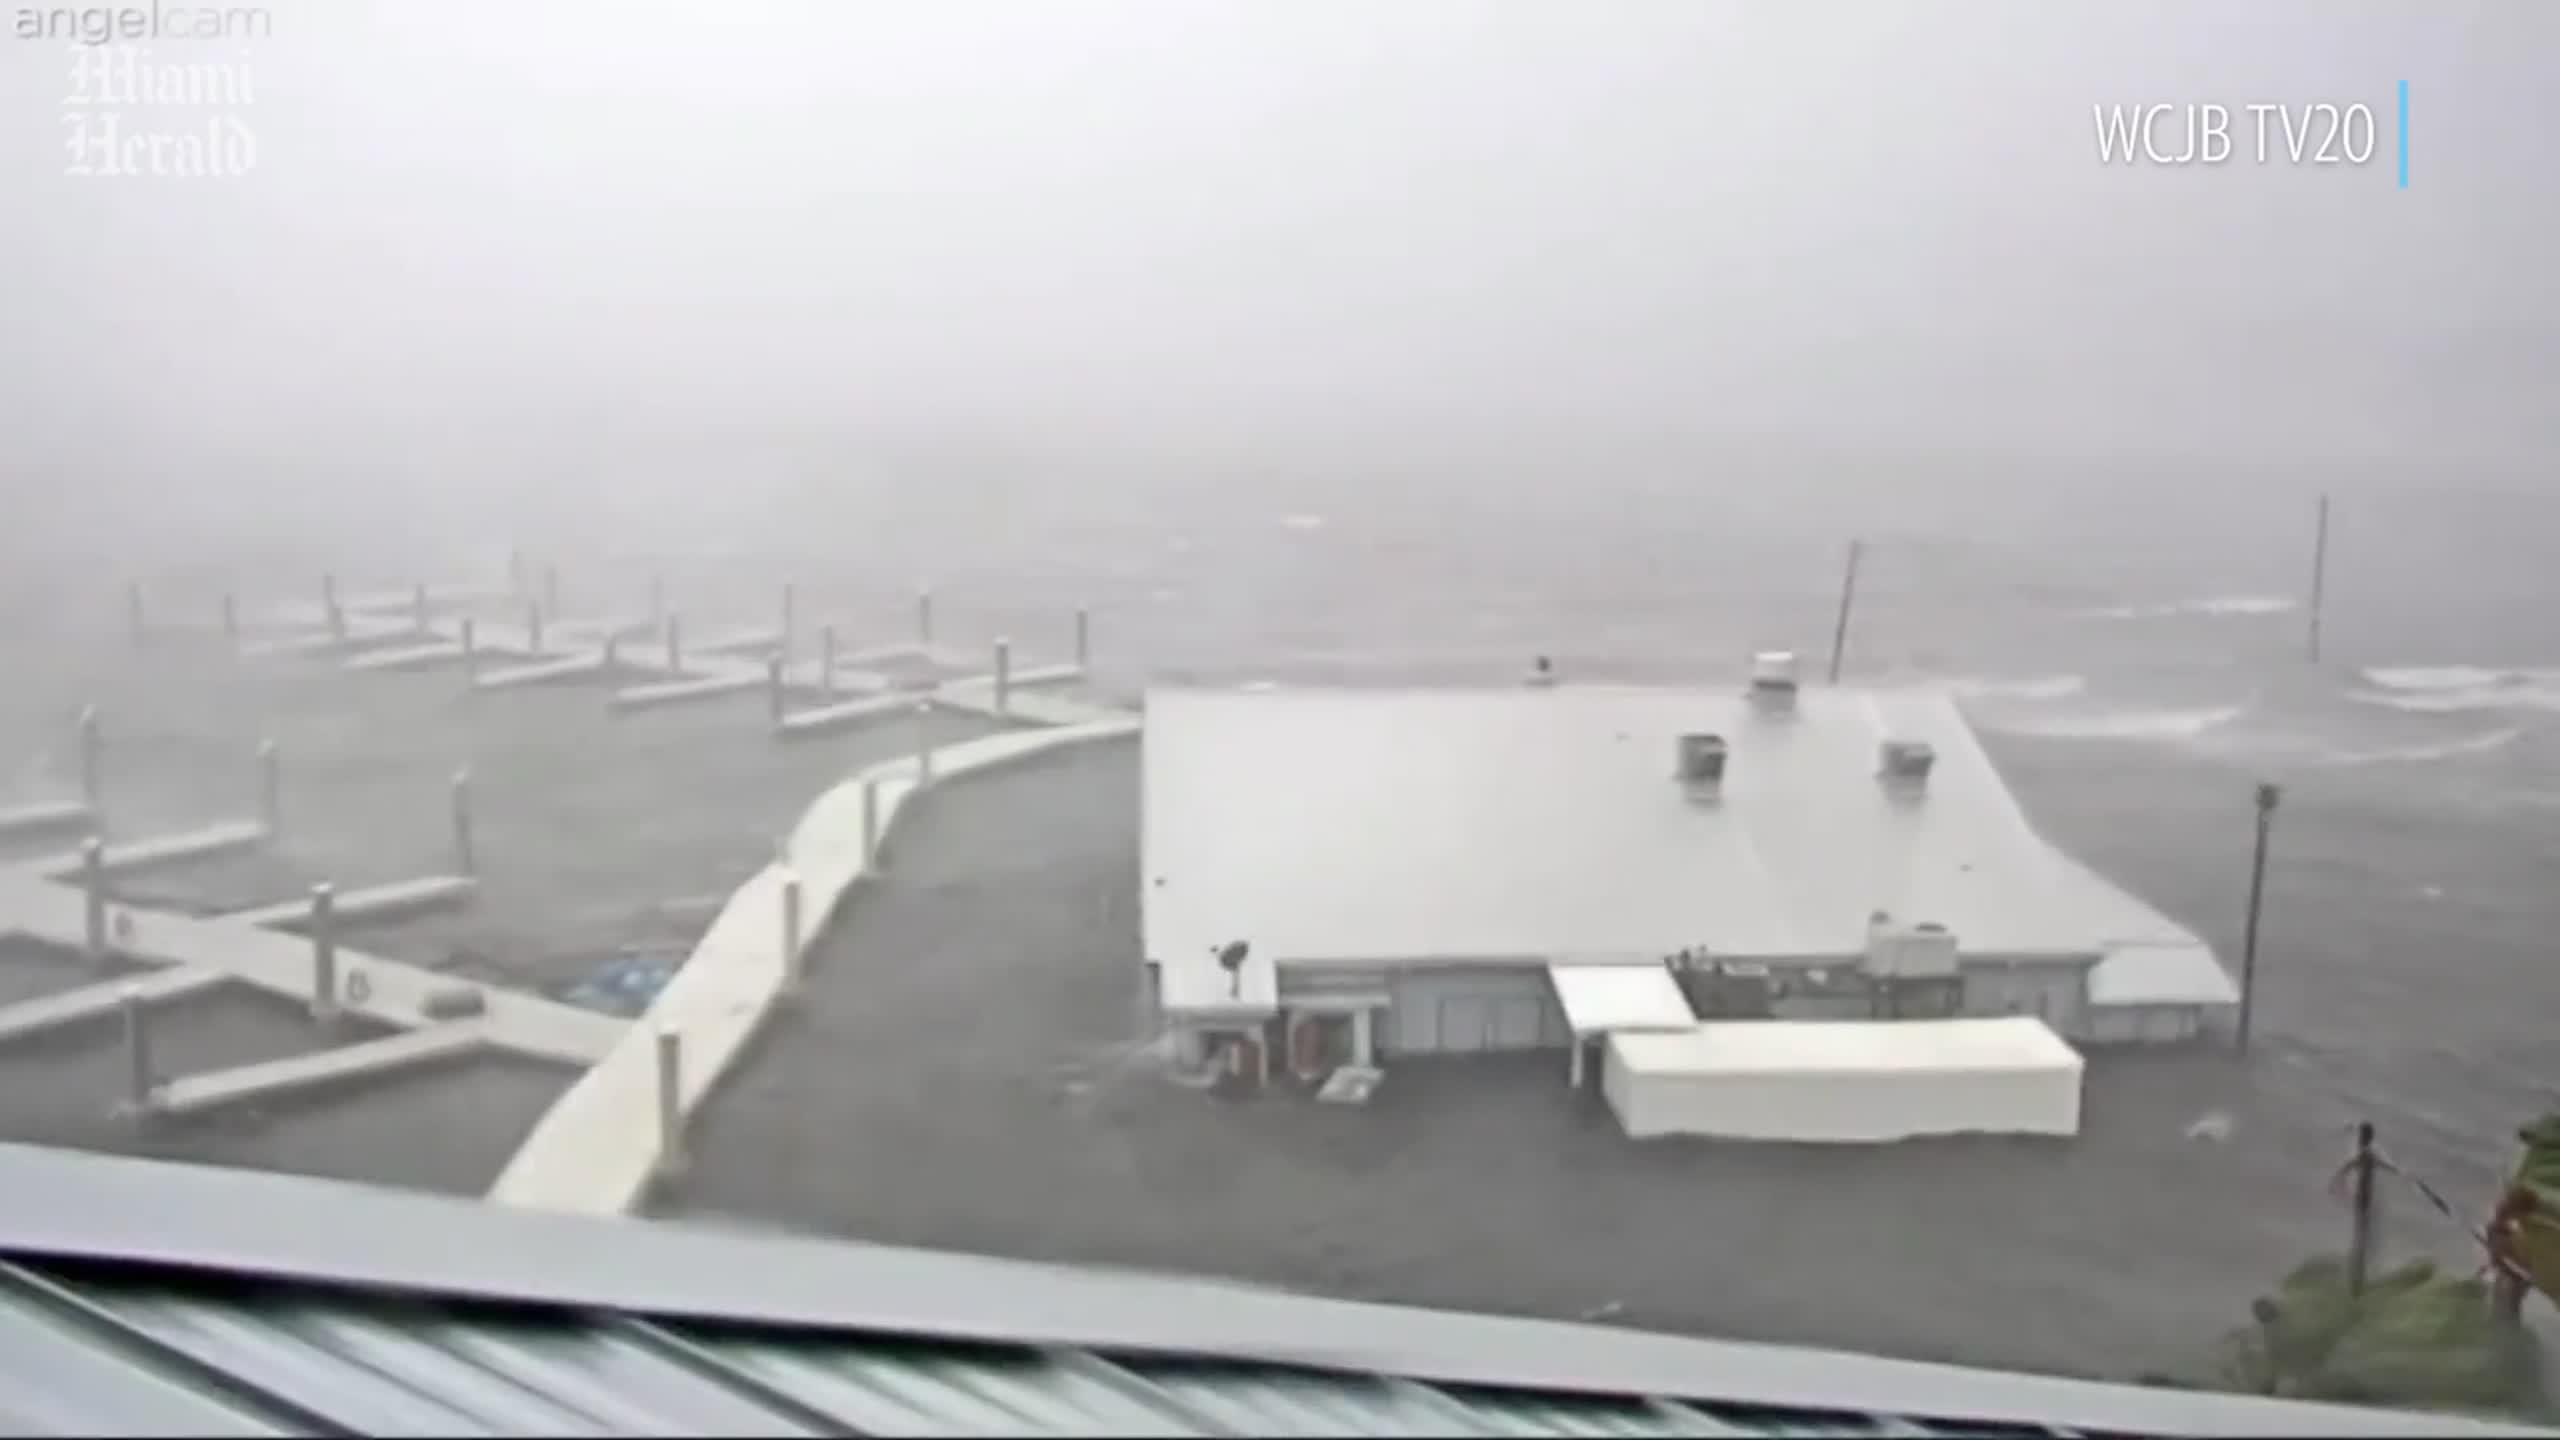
x=539, y=229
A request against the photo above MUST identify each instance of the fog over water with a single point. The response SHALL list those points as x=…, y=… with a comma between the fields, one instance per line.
x=1412, y=338
x=506, y=267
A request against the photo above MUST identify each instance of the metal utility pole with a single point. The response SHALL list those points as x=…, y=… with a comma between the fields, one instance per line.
x=1848, y=598
x=2268, y=795
x=2319, y=575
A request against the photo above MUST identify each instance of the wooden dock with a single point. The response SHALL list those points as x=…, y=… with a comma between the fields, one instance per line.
x=134, y=856
x=372, y=904
x=362, y=633
x=729, y=680
x=1029, y=707
x=424, y=655
x=542, y=672
x=755, y=640
x=843, y=715
x=597, y=1148
x=371, y=986
x=43, y=817
x=214, y=1089
x=97, y=1002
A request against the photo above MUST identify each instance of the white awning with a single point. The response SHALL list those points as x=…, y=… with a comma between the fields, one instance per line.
x=1600, y=999
x=2161, y=975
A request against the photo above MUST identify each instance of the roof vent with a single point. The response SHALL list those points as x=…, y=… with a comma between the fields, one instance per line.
x=1911, y=952
x=1773, y=681
x=1699, y=766
x=1904, y=765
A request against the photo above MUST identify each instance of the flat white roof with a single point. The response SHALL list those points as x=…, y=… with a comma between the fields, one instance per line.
x=1598, y=999
x=1376, y=826
x=1840, y=1047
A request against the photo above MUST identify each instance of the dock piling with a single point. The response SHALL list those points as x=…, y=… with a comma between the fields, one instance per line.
x=92, y=762
x=1084, y=637
x=93, y=894
x=533, y=628
x=270, y=790
x=827, y=660
x=421, y=617
x=791, y=937
x=331, y=614
x=670, y=1103
x=675, y=645
x=324, y=951
x=612, y=652
x=1848, y=599
x=773, y=692
x=1004, y=676
x=790, y=615
x=470, y=649
x=924, y=618
x=871, y=825
x=133, y=616
x=924, y=742
x=141, y=1086
x=2268, y=795
x=657, y=601
x=2319, y=577
x=231, y=619
x=465, y=861
x=550, y=590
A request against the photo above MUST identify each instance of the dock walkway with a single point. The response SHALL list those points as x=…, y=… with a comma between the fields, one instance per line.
x=372, y=986
x=598, y=1147
x=239, y=1084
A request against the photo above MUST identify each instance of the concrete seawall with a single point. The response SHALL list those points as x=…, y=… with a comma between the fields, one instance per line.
x=599, y=1147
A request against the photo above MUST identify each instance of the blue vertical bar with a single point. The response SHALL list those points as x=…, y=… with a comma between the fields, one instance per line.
x=2404, y=134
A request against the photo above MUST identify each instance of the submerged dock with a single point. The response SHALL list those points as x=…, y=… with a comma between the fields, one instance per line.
x=44, y=817
x=364, y=985
x=366, y=1059
x=374, y=904
x=133, y=856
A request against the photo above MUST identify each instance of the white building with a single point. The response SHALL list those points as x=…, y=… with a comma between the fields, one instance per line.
x=1420, y=871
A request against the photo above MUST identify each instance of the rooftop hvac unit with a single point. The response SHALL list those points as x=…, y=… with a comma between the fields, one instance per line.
x=1699, y=765
x=1904, y=765
x=1773, y=681
x=1911, y=952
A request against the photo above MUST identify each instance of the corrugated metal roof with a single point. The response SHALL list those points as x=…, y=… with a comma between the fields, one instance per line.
x=1366, y=826
x=146, y=1298
x=86, y=1349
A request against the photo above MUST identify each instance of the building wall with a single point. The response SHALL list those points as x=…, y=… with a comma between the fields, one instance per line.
x=2145, y=1024
x=1472, y=1010
x=2054, y=991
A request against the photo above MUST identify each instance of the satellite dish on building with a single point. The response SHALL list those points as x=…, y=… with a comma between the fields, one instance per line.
x=1231, y=958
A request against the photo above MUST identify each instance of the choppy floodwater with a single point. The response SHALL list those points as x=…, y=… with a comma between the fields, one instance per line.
x=2135, y=664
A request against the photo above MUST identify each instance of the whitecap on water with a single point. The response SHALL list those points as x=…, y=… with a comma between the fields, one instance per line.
x=2210, y=606
x=1302, y=521
x=2437, y=677
x=2480, y=744
x=2026, y=690
x=2123, y=724
x=2456, y=689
